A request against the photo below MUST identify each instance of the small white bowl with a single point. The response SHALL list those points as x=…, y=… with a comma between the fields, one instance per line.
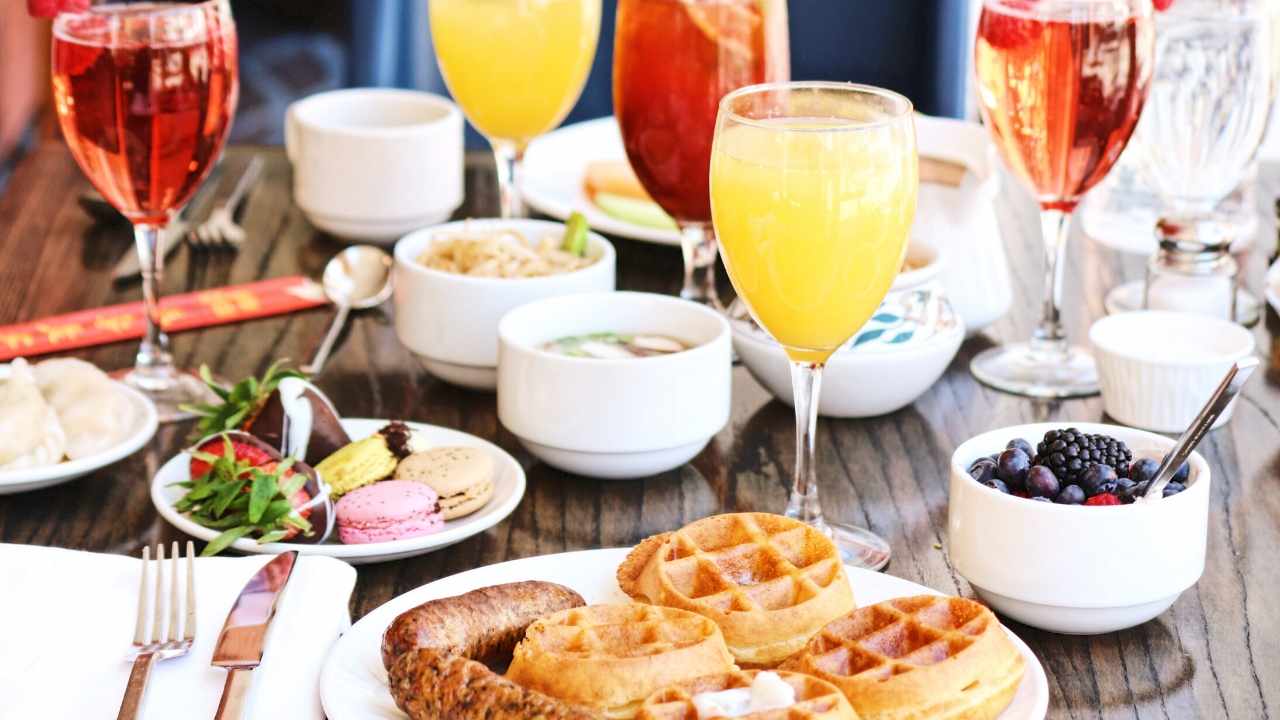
x=1076, y=569
x=853, y=379
x=1158, y=368
x=614, y=419
x=450, y=321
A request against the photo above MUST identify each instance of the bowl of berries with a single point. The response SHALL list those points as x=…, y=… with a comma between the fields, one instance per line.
x=1050, y=525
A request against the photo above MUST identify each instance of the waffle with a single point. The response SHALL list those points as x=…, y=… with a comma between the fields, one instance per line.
x=611, y=657
x=815, y=699
x=944, y=658
x=768, y=581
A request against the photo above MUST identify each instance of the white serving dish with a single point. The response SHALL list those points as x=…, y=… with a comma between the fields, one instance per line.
x=1158, y=368
x=353, y=683
x=144, y=428
x=371, y=164
x=614, y=419
x=1076, y=569
x=508, y=489
x=450, y=321
x=912, y=338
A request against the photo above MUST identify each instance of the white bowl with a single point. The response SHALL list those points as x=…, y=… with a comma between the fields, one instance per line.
x=614, y=418
x=1158, y=368
x=1076, y=569
x=450, y=321
x=853, y=380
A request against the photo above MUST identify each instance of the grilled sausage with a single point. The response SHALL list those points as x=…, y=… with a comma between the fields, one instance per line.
x=430, y=685
x=483, y=625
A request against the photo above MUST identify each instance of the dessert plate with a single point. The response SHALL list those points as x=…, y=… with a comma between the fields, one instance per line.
x=556, y=163
x=16, y=481
x=353, y=684
x=508, y=489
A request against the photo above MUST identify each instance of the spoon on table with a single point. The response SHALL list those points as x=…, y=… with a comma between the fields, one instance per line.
x=1237, y=375
x=357, y=278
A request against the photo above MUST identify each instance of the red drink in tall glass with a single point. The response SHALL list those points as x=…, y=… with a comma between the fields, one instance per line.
x=1062, y=96
x=145, y=121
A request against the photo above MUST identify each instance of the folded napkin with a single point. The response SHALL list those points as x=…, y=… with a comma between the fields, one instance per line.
x=67, y=620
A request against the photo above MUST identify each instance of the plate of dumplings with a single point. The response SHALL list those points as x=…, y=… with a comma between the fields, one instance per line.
x=63, y=418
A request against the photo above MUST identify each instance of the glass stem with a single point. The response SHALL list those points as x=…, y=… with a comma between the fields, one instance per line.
x=1049, y=338
x=154, y=362
x=698, y=246
x=508, y=157
x=806, y=385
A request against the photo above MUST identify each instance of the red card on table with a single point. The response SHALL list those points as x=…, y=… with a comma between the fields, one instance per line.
x=203, y=308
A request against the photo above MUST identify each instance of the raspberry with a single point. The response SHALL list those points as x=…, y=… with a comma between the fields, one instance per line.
x=1103, y=499
x=51, y=8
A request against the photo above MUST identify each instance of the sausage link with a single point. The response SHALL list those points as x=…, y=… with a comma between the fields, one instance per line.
x=431, y=685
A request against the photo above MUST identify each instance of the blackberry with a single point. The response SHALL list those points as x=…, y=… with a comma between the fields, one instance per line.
x=1068, y=453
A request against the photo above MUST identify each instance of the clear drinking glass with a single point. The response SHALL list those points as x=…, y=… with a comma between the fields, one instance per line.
x=813, y=193
x=1061, y=84
x=516, y=69
x=145, y=94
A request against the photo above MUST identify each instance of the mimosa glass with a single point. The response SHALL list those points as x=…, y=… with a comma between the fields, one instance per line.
x=813, y=192
x=1061, y=84
x=516, y=68
x=673, y=61
x=145, y=94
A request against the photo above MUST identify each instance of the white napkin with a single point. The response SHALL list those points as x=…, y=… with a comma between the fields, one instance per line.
x=67, y=620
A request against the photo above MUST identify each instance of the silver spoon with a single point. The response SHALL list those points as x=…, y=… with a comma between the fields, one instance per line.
x=355, y=279
x=1237, y=375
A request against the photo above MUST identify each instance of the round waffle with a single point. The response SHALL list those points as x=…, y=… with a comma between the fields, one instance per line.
x=768, y=581
x=815, y=699
x=944, y=658
x=611, y=657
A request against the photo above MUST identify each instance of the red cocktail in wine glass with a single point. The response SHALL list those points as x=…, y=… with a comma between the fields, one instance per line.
x=145, y=94
x=1061, y=84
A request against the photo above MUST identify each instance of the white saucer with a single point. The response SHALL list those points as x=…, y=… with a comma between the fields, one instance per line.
x=353, y=684
x=508, y=489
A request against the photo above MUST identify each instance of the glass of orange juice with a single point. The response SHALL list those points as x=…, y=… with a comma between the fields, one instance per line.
x=516, y=68
x=813, y=192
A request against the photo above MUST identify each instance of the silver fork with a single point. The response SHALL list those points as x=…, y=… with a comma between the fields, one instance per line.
x=150, y=642
x=221, y=228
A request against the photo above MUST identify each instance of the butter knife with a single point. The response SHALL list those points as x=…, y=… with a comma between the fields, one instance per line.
x=244, y=635
x=129, y=266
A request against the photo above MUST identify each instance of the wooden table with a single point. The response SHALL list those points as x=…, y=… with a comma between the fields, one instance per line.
x=1215, y=654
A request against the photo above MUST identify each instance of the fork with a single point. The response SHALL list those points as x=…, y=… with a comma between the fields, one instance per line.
x=221, y=229
x=150, y=642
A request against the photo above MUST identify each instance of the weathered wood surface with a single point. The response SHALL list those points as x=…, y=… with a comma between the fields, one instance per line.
x=1215, y=654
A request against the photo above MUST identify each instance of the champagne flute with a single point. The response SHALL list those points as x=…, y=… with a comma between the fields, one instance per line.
x=813, y=193
x=145, y=94
x=516, y=69
x=1061, y=84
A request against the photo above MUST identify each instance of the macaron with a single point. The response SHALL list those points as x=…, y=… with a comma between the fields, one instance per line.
x=386, y=511
x=461, y=476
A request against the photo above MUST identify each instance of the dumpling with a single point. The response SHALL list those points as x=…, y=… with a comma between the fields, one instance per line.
x=94, y=413
x=30, y=434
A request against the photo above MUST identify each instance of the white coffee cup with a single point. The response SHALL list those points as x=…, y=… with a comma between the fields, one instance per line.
x=375, y=163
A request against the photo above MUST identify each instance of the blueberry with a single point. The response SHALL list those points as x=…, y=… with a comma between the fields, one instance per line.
x=1098, y=479
x=1123, y=484
x=1041, y=482
x=1041, y=499
x=1133, y=492
x=995, y=484
x=1012, y=467
x=982, y=470
x=1070, y=495
x=1143, y=470
x=1173, y=488
x=1181, y=476
x=994, y=457
x=1023, y=445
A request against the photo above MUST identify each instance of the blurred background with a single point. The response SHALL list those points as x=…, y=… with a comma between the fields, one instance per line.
x=293, y=48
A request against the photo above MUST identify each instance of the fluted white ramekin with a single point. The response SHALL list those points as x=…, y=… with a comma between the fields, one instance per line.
x=1158, y=368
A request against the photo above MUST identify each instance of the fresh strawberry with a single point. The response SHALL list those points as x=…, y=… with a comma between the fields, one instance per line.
x=238, y=405
x=1005, y=31
x=51, y=8
x=299, y=500
x=1103, y=499
x=251, y=455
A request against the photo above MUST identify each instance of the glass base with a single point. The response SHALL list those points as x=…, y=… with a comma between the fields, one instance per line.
x=1128, y=297
x=1022, y=370
x=168, y=390
x=858, y=547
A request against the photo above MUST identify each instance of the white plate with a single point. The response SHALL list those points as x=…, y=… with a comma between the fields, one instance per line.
x=16, y=481
x=353, y=684
x=555, y=164
x=1272, y=288
x=508, y=489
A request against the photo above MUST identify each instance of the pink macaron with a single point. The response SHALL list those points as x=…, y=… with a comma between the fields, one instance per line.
x=386, y=511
